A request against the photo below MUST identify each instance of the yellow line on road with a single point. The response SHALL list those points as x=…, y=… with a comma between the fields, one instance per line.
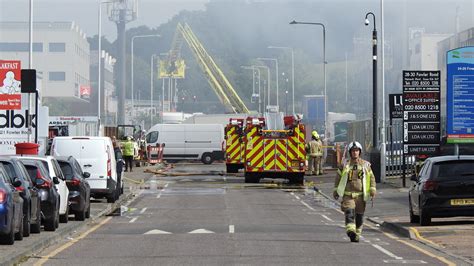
x=426, y=252
x=418, y=235
x=72, y=242
x=134, y=181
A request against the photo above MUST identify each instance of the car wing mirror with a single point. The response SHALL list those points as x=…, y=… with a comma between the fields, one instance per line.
x=56, y=180
x=17, y=182
x=414, y=177
x=86, y=174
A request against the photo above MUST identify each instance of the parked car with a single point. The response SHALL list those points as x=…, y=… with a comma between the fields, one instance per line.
x=79, y=189
x=11, y=209
x=96, y=156
x=54, y=170
x=49, y=195
x=443, y=188
x=28, y=192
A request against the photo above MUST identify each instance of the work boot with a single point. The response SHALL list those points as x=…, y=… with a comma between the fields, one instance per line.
x=359, y=224
x=350, y=225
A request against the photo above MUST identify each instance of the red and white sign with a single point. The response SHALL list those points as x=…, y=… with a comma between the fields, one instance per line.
x=10, y=84
x=85, y=92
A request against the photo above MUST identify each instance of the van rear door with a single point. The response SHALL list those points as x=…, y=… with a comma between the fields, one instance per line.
x=93, y=159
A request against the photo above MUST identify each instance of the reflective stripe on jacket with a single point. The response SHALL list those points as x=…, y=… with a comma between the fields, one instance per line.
x=368, y=179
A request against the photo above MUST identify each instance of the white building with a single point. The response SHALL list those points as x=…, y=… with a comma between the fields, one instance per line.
x=423, y=49
x=60, y=54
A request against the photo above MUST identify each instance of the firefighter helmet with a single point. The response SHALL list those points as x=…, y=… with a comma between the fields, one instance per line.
x=315, y=134
x=354, y=145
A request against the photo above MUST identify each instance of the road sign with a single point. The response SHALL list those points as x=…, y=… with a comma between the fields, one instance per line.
x=421, y=112
x=460, y=88
x=396, y=105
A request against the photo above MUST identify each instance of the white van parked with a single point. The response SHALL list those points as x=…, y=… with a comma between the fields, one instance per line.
x=188, y=141
x=96, y=156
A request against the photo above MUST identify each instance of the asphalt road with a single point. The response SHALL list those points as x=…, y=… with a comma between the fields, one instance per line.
x=218, y=220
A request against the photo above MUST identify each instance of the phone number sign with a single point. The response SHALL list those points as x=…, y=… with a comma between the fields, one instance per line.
x=421, y=112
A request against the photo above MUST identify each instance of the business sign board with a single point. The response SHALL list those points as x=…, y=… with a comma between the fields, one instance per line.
x=459, y=95
x=14, y=128
x=421, y=112
x=396, y=106
x=85, y=92
x=10, y=85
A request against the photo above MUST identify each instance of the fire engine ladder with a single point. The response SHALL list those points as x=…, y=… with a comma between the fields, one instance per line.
x=216, y=78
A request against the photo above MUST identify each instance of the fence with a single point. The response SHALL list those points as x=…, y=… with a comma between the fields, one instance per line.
x=361, y=130
x=155, y=154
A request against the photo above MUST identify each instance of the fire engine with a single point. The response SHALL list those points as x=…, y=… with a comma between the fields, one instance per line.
x=234, y=145
x=273, y=153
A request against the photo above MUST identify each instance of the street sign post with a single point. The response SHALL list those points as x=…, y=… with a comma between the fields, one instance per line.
x=396, y=106
x=460, y=87
x=421, y=112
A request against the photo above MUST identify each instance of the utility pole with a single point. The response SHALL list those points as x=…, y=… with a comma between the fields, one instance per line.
x=121, y=12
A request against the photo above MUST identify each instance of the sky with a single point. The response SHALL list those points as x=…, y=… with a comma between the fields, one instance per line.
x=85, y=12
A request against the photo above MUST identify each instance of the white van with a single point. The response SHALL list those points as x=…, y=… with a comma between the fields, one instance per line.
x=96, y=156
x=188, y=141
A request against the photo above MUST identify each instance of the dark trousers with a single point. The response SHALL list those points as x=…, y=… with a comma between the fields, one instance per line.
x=128, y=162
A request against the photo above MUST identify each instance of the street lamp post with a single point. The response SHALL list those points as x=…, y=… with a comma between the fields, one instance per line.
x=99, y=67
x=267, y=86
x=277, y=77
x=152, y=66
x=324, y=70
x=132, y=57
x=374, y=79
x=255, y=69
x=292, y=72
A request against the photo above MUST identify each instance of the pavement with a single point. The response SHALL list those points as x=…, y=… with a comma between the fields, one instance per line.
x=29, y=246
x=390, y=211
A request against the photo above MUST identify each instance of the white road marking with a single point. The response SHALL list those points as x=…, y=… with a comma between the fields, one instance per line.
x=231, y=229
x=158, y=196
x=306, y=204
x=327, y=218
x=225, y=179
x=156, y=232
x=201, y=231
x=143, y=210
x=291, y=193
x=133, y=220
x=166, y=185
x=388, y=253
x=297, y=197
x=209, y=180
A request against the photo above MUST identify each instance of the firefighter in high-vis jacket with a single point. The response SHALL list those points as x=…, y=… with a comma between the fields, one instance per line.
x=355, y=184
x=315, y=152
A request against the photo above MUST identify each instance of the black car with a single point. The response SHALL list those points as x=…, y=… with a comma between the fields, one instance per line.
x=79, y=189
x=49, y=195
x=29, y=193
x=11, y=209
x=443, y=188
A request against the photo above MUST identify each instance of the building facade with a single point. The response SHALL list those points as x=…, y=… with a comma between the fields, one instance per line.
x=60, y=55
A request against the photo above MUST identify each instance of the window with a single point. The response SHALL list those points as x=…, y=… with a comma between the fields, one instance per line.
x=152, y=137
x=57, y=47
x=20, y=47
x=57, y=76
